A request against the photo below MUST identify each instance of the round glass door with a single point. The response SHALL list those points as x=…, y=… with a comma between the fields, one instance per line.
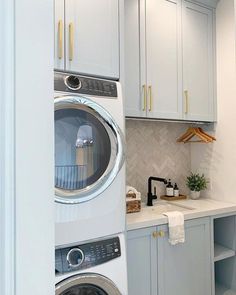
x=87, y=284
x=84, y=289
x=88, y=149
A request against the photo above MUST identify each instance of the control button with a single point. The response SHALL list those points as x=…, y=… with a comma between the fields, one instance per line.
x=75, y=257
x=73, y=82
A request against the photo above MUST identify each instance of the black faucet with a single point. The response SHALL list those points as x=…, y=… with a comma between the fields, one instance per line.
x=150, y=196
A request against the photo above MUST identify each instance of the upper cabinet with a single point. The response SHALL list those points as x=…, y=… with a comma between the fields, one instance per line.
x=87, y=37
x=169, y=60
x=198, y=59
x=163, y=55
x=59, y=40
x=135, y=87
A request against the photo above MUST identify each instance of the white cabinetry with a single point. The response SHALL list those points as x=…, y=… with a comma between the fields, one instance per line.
x=169, y=60
x=91, y=37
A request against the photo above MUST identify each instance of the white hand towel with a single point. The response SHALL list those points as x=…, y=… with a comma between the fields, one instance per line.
x=176, y=227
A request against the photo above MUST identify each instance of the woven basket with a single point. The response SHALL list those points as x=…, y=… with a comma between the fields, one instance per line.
x=133, y=206
x=133, y=202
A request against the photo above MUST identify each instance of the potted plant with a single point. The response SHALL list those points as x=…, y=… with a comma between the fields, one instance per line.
x=196, y=183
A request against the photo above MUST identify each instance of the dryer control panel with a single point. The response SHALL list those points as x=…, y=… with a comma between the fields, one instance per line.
x=72, y=83
x=83, y=256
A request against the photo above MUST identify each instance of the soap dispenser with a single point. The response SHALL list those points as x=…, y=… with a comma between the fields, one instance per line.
x=169, y=189
x=176, y=190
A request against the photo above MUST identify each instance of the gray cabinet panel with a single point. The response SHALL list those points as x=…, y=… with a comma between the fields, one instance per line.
x=142, y=262
x=169, y=60
x=157, y=268
x=134, y=92
x=198, y=58
x=96, y=37
x=87, y=37
x=164, y=52
x=59, y=42
x=185, y=269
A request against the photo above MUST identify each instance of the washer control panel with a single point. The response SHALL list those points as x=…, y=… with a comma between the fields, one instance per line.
x=72, y=83
x=86, y=255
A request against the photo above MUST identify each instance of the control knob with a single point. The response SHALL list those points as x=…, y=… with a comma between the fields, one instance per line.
x=73, y=82
x=75, y=257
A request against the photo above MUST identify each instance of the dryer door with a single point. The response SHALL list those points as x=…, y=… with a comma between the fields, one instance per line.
x=87, y=284
x=89, y=149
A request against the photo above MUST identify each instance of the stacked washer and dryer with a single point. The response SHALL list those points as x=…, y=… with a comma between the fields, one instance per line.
x=89, y=187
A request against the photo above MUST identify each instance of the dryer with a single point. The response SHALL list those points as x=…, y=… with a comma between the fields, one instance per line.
x=89, y=158
x=95, y=268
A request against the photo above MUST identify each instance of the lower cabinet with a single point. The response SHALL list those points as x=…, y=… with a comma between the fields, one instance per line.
x=224, y=264
x=157, y=268
x=142, y=262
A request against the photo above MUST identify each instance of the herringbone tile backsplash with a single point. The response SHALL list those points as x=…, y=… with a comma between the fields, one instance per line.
x=152, y=151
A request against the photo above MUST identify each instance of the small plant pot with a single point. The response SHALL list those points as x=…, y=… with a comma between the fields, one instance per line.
x=194, y=195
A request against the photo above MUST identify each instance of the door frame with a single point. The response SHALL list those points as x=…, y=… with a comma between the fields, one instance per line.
x=23, y=50
x=7, y=153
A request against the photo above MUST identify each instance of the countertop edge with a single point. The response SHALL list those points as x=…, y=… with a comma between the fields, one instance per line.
x=162, y=220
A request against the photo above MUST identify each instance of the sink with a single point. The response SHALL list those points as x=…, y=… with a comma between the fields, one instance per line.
x=161, y=207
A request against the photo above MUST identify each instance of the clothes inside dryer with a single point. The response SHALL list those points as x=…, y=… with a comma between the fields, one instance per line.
x=82, y=149
x=84, y=290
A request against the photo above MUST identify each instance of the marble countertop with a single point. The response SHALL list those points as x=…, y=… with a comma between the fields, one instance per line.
x=151, y=216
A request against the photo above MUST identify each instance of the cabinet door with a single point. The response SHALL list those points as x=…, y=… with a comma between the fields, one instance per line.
x=142, y=262
x=92, y=37
x=198, y=60
x=59, y=25
x=135, y=59
x=164, y=78
x=186, y=268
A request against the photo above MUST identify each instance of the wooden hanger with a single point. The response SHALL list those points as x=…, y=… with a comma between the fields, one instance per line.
x=206, y=134
x=185, y=135
x=196, y=132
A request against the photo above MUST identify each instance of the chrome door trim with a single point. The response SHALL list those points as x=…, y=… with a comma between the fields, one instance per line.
x=96, y=280
x=117, y=145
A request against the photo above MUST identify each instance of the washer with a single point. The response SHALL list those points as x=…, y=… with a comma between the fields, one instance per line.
x=89, y=158
x=95, y=268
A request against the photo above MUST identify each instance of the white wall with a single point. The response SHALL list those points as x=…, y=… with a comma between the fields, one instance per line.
x=34, y=152
x=7, y=181
x=218, y=160
x=26, y=147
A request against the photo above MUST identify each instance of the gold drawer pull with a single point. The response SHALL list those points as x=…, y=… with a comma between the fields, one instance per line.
x=186, y=101
x=144, y=97
x=60, y=39
x=150, y=97
x=71, y=41
x=161, y=233
x=155, y=234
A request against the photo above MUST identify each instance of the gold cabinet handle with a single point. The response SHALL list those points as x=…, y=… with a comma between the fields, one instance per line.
x=144, y=97
x=161, y=233
x=155, y=234
x=186, y=101
x=71, y=41
x=60, y=39
x=150, y=97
